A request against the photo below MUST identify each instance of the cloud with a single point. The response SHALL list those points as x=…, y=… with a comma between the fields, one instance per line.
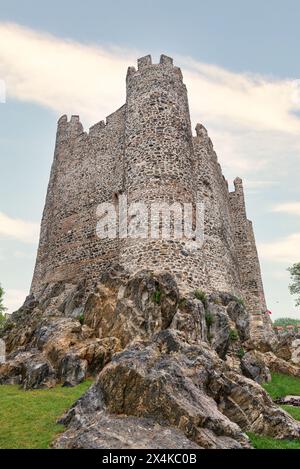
x=69, y=76
x=21, y=230
x=284, y=250
x=245, y=99
x=292, y=208
x=63, y=75
x=13, y=299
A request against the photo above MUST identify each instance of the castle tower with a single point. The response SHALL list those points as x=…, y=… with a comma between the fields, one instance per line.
x=250, y=275
x=143, y=160
x=158, y=161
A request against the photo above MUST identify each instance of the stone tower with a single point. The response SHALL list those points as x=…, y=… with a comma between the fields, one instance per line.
x=145, y=151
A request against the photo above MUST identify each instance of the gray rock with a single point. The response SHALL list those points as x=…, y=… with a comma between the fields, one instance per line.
x=240, y=317
x=117, y=432
x=253, y=367
x=219, y=329
x=72, y=370
x=288, y=400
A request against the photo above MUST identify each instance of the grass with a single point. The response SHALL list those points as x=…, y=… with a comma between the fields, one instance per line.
x=280, y=386
x=28, y=418
x=267, y=442
x=283, y=385
x=293, y=411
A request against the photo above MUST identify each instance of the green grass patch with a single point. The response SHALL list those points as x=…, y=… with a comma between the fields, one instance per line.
x=283, y=385
x=28, y=418
x=267, y=442
x=292, y=410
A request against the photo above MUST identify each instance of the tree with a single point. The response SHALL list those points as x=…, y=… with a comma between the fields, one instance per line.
x=286, y=322
x=294, y=287
x=2, y=307
x=2, y=319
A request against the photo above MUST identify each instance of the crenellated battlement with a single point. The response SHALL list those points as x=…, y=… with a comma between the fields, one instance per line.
x=68, y=129
x=146, y=61
x=146, y=67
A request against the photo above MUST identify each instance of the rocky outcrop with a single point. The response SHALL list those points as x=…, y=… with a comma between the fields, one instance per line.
x=279, y=365
x=178, y=386
x=287, y=346
x=254, y=367
x=288, y=400
x=46, y=345
x=163, y=362
x=91, y=426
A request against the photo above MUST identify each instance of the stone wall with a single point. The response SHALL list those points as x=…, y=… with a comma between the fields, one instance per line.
x=146, y=151
x=87, y=170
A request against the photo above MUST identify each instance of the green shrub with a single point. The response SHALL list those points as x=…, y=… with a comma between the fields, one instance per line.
x=209, y=319
x=156, y=296
x=239, y=301
x=241, y=352
x=200, y=295
x=2, y=321
x=81, y=319
x=233, y=335
x=286, y=322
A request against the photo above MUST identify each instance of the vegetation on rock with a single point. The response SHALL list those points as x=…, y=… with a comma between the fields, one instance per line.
x=200, y=295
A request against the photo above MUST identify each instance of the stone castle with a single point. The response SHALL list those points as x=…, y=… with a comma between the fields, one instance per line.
x=146, y=150
x=176, y=357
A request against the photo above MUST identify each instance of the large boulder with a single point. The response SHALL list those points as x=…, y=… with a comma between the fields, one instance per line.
x=91, y=426
x=172, y=384
x=132, y=309
x=254, y=367
x=30, y=369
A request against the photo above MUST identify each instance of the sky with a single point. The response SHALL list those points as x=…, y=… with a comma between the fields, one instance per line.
x=243, y=78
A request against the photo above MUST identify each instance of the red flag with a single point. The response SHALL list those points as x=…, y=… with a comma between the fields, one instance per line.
x=268, y=311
